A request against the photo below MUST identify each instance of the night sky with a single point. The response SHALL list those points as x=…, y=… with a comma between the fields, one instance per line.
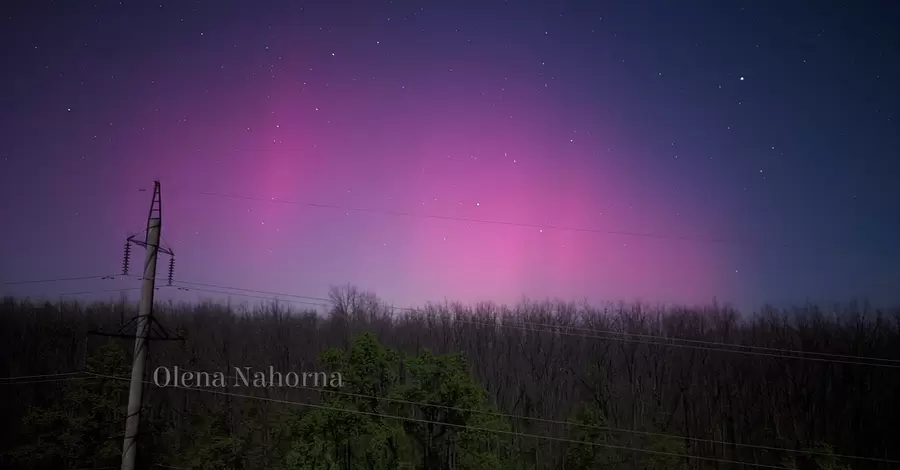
x=662, y=151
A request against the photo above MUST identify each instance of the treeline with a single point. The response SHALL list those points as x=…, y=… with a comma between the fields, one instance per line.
x=540, y=386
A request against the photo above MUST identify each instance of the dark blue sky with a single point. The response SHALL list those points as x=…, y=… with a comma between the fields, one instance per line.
x=603, y=134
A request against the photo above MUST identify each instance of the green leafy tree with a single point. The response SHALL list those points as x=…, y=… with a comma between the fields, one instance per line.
x=207, y=446
x=85, y=429
x=585, y=456
x=599, y=455
x=326, y=439
x=826, y=460
x=444, y=381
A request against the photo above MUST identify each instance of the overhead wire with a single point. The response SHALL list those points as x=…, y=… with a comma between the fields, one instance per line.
x=482, y=221
x=255, y=291
x=718, y=343
x=62, y=279
x=60, y=379
x=39, y=376
x=81, y=375
x=460, y=426
x=539, y=327
x=77, y=278
x=734, y=348
x=44, y=378
x=555, y=329
x=564, y=330
x=241, y=294
x=124, y=289
x=580, y=425
x=662, y=341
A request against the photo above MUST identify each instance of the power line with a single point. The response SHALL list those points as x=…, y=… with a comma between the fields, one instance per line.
x=663, y=341
x=69, y=376
x=99, y=291
x=61, y=279
x=212, y=291
x=40, y=376
x=558, y=329
x=73, y=376
x=38, y=381
x=582, y=425
x=460, y=426
x=715, y=343
x=487, y=221
x=633, y=337
x=47, y=380
x=539, y=327
x=296, y=296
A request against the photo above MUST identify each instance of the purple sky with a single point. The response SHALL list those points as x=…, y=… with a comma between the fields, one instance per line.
x=773, y=129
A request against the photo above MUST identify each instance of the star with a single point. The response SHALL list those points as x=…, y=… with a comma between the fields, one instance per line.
x=376, y=135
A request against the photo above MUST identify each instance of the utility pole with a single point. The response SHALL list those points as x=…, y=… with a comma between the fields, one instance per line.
x=145, y=311
x=147, y=328
x=141, y=343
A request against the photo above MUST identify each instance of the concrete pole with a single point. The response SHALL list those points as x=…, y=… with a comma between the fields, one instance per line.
x=132, y=421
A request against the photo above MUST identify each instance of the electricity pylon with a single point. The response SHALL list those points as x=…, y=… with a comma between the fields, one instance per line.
x=147, y=328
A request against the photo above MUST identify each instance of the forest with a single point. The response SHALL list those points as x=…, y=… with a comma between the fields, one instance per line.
x=538, y=385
